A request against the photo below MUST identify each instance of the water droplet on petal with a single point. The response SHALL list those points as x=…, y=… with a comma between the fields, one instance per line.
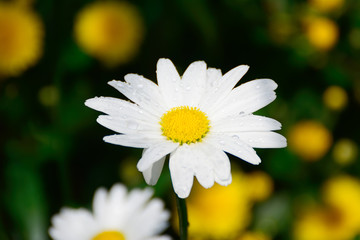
x=140, y=85
x=236, y=137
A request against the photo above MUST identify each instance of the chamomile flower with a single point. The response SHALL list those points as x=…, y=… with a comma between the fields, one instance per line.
x=195, y=118
x=21, y=38
x=117, y=215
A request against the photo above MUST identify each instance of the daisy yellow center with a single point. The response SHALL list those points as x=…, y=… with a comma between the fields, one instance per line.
x=185, y=124
x=109, y=235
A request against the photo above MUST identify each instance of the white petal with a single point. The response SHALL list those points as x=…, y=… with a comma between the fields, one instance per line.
x=203, y=168
x=164, y=237
x=129, y=140
x=118, y=107
x=193, y=83
x=169, y=81
x=245, y=123
x=152, y=174
x=71, y=224
x=137, y=198
x=152, y=218
x=223, y=182
x=155, y=153
x=150, y=91
x=247, y=98
x=217, y=93
x=213, y=77
x=232, y=77
x=100, y=203
x=141, y=91
x=220, y=162
x=114, y=207
x=128, y=125
x=181, y=170
x=263, y=139
x=234, y=146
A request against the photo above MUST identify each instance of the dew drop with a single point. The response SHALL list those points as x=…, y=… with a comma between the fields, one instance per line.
x=236, y=137
x=140, y=85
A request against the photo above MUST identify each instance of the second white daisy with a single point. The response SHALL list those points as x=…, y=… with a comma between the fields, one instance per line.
x=117, y=215
x=194, y=118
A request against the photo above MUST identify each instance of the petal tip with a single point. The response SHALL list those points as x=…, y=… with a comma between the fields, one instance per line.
x=141, y=167
x=182, y=193
x=164, y=61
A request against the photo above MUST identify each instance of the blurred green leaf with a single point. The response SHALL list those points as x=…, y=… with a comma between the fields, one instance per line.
x=25, y=201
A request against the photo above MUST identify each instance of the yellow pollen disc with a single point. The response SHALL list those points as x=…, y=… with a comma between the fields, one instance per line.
x=185, y=124
x=109, y=235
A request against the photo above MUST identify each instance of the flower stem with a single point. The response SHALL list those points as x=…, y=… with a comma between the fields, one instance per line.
x=183, y=222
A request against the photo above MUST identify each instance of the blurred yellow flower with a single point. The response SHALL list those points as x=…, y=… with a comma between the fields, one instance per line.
x=327, y=5
x=335, y=98
x=23, y=3
x=343, y=193
x=310, y=140
x=254, y=236
x=339, y=219
x=219, y=212
x=110, y=31
x=319, y=223
x=21, y=39
x=322, y=33
x=49, y=95
x=345, y=151
x=260, y=185
x=128, y=172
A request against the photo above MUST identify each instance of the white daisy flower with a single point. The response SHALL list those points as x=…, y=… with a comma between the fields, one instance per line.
x=194, y=118
x=117, y=215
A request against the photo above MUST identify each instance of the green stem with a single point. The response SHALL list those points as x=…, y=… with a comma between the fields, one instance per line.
x=183, y=222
